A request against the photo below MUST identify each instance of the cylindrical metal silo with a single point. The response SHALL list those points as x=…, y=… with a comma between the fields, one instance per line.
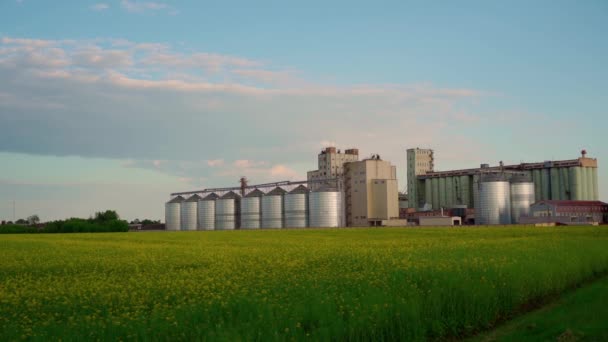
x=590, y=190
x=564, y=183
x=596, y=193
x=475, y=188
x=227, y=211
x=206, y=212
x=465, y=191
x=555, y=190
x=251, y=210
x=435, y=183
x=576, y=192
x=584, y=185
x=442, y=193
x=428, y=191
x=538, y=185
x=189, y=213
x=449, y=191
x=522, y=197
x=545, y=176
x=494, y=201
x=272, y=209
x=173, y=213
x=325, y=208
x=296, y=208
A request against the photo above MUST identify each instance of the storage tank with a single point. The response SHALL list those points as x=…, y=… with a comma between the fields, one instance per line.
x=189, y=213
x=449, y=192
x=296, y=208
x=475, y=188
x=272, y=208
x=227, y=211
x=442, y=193
x=428, y=192
x=465, y=191
x=494, y=200
x=173, y=213
x=522, y=197
x=576, y=192
x=435, y=184
x=325, y=208
x=251, y=210
x=538, y=188
x=206, y=212
x=555, y=184
x=596, y=193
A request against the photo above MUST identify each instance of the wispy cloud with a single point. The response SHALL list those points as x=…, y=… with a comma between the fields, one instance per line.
x=143, y=6
x=101, y=6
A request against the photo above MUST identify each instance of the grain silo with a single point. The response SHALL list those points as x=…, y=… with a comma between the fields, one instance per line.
x=325, y=208
x=189, y=213
x=251, y=210
x=206, y=212
x=522, y=196
x=272, y=208
x=173, y=213
x=227, y=211
x=494, y=200
x=296, y=207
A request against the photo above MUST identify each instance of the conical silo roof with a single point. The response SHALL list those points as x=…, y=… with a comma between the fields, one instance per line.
x=178, y=199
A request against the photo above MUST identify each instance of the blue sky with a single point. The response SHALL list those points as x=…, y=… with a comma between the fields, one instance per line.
x=114, y=104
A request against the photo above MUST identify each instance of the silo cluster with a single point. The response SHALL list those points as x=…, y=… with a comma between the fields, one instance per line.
x=501, y=198
x=276, y=208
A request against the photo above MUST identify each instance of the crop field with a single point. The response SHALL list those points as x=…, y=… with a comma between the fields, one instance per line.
x=339, y=284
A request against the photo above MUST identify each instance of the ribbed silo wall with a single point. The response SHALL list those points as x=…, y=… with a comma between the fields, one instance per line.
x=576, y=190
x=522, y=196
x=584, y=185
x=206, y=215
x=225, y=214
x=555, y=190
x=428, y=191
x=442, y=193
x=475, y=189
x=435, y=182
x=538, y=184
x=272, y=211
x=545, y=176
x=564, y=184
x=251, y=213
x=325, y=209
x=465, y=191
x=173, y=216
x=449, y=191
x=494, y=203
x=596, y=192
x=296, y=210
x=189, y=215
x=590, y=195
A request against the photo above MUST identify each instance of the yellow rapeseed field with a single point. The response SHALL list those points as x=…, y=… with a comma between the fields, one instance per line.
x=323, y=284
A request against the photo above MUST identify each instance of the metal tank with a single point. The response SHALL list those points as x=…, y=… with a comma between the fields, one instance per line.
x=227, y=211
x=522, y=197
x=206, y=212
x=189, y=213
x=272, y=208
x=494, y=201
x=173, y=213
x=325, y=208
x=428, y=191
x=296, y=208
x=251, y=210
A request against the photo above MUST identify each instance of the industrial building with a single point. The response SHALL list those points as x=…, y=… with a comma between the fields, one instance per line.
x=371, y=192
x=330, y=165
x=567, y=212
x=574, y=179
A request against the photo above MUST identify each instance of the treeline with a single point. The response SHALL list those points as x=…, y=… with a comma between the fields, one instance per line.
x=103, y=222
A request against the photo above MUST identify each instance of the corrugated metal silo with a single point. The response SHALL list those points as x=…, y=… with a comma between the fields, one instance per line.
x=576, y=192
x=325, y=208
x=584, y=185
x=173, y=213
x=442, y=194
x=555, y=190
x=538, y=184
x=449, y=191
x=475, y=187
x=206, y=212
x=189, y=213
x=272, y=209
x=428, y=191
x=564, y=183
x=546, y=186
x=522, y=196
x=465, y=191
x=589, y=172
x=296, y=208
x=251, y=210
x=435, y=183
x=494, y=201
x=227, y=211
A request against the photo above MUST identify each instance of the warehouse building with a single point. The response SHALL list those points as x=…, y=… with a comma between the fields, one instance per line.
x=574, y=179
x=568, y=212
x=371, y=192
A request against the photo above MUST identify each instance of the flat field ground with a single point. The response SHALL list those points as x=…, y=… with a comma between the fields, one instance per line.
x=338, y=284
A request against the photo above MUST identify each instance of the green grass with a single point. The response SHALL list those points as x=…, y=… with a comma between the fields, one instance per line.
x=355, y=284
x=581, y=315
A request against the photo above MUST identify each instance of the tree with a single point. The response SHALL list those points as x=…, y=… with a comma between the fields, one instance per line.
x=105, y=216
x=33, y=219
x=21, y=221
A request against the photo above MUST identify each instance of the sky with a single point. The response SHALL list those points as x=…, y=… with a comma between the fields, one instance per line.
x=116, y=104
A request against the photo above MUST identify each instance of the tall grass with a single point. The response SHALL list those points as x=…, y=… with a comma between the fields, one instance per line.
x=351, y=284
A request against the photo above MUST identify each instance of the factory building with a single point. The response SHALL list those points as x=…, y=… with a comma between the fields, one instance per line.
x=419, y=162
x=331, y=165
x=567, y=212
x=371, y=193
x=574, y=179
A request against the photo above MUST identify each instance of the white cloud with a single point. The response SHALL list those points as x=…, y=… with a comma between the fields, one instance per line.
x=100, y=6
x=142, y=6
x=215, y=162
